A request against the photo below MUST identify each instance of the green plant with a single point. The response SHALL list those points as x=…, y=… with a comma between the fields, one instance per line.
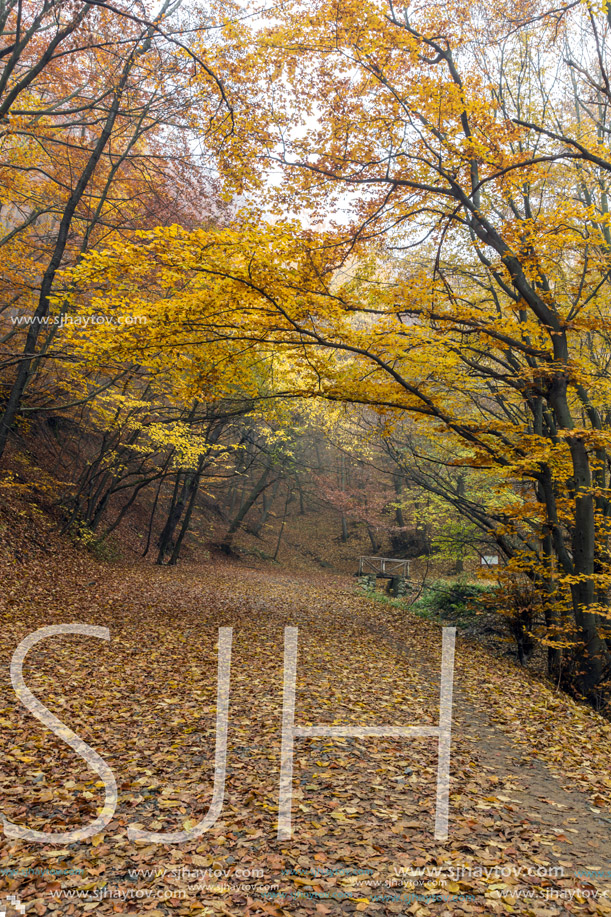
x=456, y=600
x=104, y=549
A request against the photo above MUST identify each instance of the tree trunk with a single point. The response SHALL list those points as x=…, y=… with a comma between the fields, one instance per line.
x=594, y=656
x=173, y=517
x=281, y=532
x=375, y=546
x=554, y=653
x=191, y=492
x=258, y=489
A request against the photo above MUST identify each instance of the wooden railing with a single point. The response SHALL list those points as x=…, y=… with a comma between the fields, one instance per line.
x=384, y=566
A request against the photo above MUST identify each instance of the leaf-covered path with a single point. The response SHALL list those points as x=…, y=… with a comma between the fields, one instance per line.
x=530, y=815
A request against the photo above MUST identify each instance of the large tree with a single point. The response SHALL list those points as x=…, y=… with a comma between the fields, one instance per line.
x=104, y=111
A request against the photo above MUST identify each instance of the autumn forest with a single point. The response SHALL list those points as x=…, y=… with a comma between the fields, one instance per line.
x=305, y=344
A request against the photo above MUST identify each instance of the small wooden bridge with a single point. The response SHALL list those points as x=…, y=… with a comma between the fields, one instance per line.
x=385, y=567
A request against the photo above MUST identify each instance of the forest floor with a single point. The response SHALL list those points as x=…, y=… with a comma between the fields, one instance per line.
x=530, y=795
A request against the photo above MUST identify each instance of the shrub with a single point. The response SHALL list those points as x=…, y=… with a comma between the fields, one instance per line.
x=457, y=599
x=103, y=549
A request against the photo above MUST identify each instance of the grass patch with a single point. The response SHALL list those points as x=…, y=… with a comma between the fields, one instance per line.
x=384, y=599
x=457, y=601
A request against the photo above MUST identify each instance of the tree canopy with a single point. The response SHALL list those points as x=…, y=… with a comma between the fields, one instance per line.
x=403, y=210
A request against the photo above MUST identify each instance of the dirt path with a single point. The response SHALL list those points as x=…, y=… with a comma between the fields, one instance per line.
x=582, y=837
x=363, y=808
